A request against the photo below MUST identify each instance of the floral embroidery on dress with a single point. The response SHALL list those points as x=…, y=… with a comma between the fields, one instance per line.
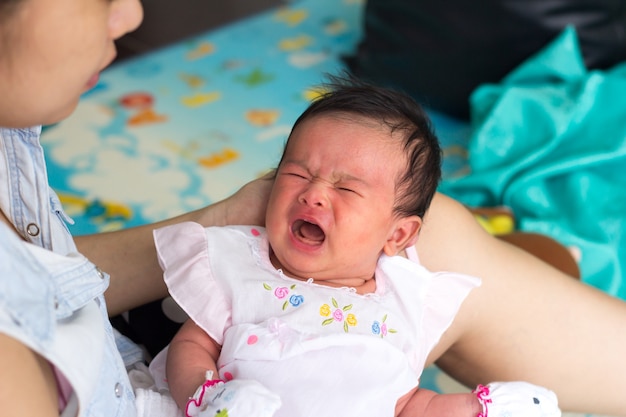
x=283, y=293
x=338, y=315
x=380, y=328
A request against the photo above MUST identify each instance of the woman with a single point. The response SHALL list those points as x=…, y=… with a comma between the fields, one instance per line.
x=527, y=321
x=59, y=356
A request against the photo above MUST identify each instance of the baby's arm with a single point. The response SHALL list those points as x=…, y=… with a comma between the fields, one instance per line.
x=191, y=354
x=424, y=403
x=498, y=399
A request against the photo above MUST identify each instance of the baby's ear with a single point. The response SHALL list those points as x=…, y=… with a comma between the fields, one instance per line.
x=403, y=235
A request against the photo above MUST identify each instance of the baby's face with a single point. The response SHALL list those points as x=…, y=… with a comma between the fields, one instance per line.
x=330, y=213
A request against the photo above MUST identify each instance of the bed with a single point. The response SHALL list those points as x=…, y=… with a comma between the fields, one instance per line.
x=188, y=124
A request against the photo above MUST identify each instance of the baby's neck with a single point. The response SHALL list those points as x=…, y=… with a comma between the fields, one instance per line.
x=360, y=285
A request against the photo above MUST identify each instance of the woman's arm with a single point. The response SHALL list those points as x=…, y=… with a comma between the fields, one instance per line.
x=129, y=255
x=27, y=385
x=527, y=321
x=190, y=355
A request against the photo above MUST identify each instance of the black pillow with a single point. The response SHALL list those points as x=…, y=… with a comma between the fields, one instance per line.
x=440, y=51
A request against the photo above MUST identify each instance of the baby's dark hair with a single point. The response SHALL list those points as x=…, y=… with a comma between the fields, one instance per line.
x=400, y=113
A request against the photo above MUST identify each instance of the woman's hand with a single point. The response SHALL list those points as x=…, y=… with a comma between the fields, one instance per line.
x=247, y=206
x=129, y=255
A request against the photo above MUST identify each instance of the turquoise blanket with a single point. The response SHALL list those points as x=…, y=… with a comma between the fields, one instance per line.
x=549, y=141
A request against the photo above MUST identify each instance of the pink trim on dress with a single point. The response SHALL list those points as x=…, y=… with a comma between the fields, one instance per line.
x=64, y=388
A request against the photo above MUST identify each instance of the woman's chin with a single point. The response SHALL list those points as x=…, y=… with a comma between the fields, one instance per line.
x=60, y=114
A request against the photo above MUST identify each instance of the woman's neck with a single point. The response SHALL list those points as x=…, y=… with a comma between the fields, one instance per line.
x=4, y=219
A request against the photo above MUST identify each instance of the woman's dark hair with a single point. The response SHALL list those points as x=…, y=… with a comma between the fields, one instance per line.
x=5, y=6
x=7, y=9
x=400, y=113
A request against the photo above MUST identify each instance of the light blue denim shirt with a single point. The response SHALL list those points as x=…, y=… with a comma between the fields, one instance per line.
x=51, y=297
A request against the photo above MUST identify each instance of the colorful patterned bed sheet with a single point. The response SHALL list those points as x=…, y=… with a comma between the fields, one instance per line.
x=187, y=125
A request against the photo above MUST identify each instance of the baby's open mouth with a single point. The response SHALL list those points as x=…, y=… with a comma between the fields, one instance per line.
x=308, y=232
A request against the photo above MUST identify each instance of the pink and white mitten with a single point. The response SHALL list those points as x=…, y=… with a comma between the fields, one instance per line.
x=516, y=399
x=235, y=398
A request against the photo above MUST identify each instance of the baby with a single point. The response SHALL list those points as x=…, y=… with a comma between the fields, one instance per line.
x=319, y=313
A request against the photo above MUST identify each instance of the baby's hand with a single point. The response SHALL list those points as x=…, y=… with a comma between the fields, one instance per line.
x=517, y=399
x=236, y=398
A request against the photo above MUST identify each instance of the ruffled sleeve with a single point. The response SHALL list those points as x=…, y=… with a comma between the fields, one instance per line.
x=430, y=301
x=444, y=295
x=182, y=250
x=443, y=300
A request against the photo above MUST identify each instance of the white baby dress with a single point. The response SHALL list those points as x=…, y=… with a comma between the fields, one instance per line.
x=325, y=351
